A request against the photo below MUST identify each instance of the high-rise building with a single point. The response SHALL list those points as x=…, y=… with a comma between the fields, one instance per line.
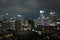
x=17, y=26
x=31, y=22
x=53, y=19
x=58, y=24
x=41, y=19
x=25, y=25
x=40, y=22
x=12, y=23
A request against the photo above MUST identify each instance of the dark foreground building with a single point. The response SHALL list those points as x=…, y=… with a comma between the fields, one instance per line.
x=26, y=36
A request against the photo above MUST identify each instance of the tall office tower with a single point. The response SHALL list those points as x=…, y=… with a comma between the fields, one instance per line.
x=1, y=17
x=6, y=20
x=1, y=27
x=53, y=19
x=47, y=21
x=6, y=17
x=52, y=22
x=40, y=22
x=42, y=17
x=18, y=20
x=1, y=23
x=12, y=23
x=58, y=24
x=25, y=25
x=31, y=22
x=19, y=17
x=17, y=26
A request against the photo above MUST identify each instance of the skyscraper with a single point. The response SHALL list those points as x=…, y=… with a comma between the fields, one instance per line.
x=53, y=19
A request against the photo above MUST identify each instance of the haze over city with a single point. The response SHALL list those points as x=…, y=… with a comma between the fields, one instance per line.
x=29, y=8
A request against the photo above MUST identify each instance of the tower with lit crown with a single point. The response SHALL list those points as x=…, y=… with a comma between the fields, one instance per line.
x=40, y=20
x=42, y=17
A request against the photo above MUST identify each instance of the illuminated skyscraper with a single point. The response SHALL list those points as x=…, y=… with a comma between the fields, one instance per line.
x=25, y=25
x=42, y=17
x=19, y=17
x=58, y=24
x=53, y=19
x=40, y=20
x=12, y=23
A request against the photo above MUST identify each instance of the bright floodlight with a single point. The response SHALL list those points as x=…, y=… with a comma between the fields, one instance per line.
x=19, y=15
x=42, y=11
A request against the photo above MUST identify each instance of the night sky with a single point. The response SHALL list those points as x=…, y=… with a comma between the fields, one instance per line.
x=29, y=8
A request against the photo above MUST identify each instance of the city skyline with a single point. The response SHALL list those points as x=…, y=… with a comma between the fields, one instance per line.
x=29, y=8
